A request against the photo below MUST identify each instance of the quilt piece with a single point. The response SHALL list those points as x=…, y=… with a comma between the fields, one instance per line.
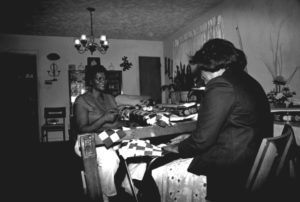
x=136, y=147
x=108, y=137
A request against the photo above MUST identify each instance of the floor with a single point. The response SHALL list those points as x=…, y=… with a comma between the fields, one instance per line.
x=53, y=172
x=49, y=172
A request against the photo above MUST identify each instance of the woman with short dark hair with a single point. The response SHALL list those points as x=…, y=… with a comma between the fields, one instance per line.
x=233, y=118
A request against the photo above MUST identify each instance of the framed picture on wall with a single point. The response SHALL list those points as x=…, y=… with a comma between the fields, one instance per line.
x=166, y=66
x=171, y=70
x=169, y=66
x=92, y=61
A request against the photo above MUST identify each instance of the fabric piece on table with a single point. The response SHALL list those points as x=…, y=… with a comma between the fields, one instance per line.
x=144, y=117
x=109, y=136
x=136, y=147
x=175, y=183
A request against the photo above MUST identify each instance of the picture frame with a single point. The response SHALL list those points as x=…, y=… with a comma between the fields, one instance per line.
x=171, y=70
x=93, y=61
x=169, y=66
x=166, y=65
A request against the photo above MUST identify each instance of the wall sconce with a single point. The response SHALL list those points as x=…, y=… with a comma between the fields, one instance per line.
x=53, y=70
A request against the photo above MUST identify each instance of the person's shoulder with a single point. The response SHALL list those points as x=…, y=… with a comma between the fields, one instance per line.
x=80, y=98
x=219, y=81
x=110, y=96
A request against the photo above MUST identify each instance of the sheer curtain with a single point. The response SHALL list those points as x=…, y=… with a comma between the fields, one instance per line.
x=192, y=40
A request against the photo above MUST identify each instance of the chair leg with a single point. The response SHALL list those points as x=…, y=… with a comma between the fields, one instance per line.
x=83, y=182
x=64, y=135
x=128, y=175
x=130, y=180
x=292, y=169
x=42, y=135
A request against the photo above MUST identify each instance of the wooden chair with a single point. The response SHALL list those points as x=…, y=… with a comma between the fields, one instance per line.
x=288, y=160
x=272, y=158
x=54, y=121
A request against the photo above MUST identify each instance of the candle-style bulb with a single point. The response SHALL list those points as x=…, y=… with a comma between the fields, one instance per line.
x=103, y=38
x=77, y=42
x=83, y=37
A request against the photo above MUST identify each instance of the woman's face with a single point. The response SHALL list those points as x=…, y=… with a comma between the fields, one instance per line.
x=99, y=81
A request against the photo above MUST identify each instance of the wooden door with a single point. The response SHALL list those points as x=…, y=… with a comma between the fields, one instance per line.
x=20, y=87
x=150, y=77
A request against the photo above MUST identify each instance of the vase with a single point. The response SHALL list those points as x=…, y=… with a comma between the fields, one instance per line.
x=277, y=88
x=175, y=97
x=184, y=96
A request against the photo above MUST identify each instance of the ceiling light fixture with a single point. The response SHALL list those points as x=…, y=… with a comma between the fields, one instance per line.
x=84, y=44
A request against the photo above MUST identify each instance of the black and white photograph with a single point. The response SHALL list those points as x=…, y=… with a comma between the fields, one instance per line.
x=150, y=100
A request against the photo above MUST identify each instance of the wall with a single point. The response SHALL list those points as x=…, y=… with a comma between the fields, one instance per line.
x=57, y=94
x=258, y=22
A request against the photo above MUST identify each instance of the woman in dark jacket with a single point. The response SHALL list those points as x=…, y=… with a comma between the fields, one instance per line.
x=233, y=119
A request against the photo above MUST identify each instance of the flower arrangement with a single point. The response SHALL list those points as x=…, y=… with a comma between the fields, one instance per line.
x=281, y=98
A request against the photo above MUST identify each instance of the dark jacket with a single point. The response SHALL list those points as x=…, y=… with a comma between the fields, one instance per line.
x=232, y=120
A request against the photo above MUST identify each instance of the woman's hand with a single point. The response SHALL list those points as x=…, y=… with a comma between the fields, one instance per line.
x=111, y=115
x=77, y=148
x=179, y=138
x=171, y=148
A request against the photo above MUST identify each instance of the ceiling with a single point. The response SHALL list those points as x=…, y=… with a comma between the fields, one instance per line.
x=118, y=19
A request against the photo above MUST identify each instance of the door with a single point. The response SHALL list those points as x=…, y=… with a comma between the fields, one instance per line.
x=20, y=92
x=150, y=77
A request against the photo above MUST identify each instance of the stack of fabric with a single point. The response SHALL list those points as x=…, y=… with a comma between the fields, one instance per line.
x=144, y=116
x=186, y=110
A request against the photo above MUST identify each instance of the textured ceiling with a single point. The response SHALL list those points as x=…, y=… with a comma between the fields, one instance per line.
x=118, y=19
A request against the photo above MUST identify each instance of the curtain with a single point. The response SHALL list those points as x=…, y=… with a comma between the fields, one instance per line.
x=191, y=41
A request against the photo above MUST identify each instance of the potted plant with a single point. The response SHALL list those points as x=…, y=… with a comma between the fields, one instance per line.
x=181, y=84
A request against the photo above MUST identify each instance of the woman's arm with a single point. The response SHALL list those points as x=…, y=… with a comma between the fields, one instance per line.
x=82, y=119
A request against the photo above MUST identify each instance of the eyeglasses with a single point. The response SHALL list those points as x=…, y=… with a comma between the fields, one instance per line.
x=100, y=79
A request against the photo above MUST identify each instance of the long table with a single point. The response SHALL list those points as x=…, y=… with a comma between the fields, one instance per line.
x=89, y=141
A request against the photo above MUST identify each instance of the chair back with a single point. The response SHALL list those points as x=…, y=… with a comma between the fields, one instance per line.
x=288, y=159
x=270, y=159
x=54, y=113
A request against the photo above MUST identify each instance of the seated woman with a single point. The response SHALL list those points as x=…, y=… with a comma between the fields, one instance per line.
x=96, y=111
x=234, y=117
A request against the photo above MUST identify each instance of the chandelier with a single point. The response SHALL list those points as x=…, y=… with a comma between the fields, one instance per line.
x=84, y=44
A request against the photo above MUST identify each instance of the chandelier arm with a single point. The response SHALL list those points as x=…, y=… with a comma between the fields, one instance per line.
x=101, y=49
x=82, y=50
